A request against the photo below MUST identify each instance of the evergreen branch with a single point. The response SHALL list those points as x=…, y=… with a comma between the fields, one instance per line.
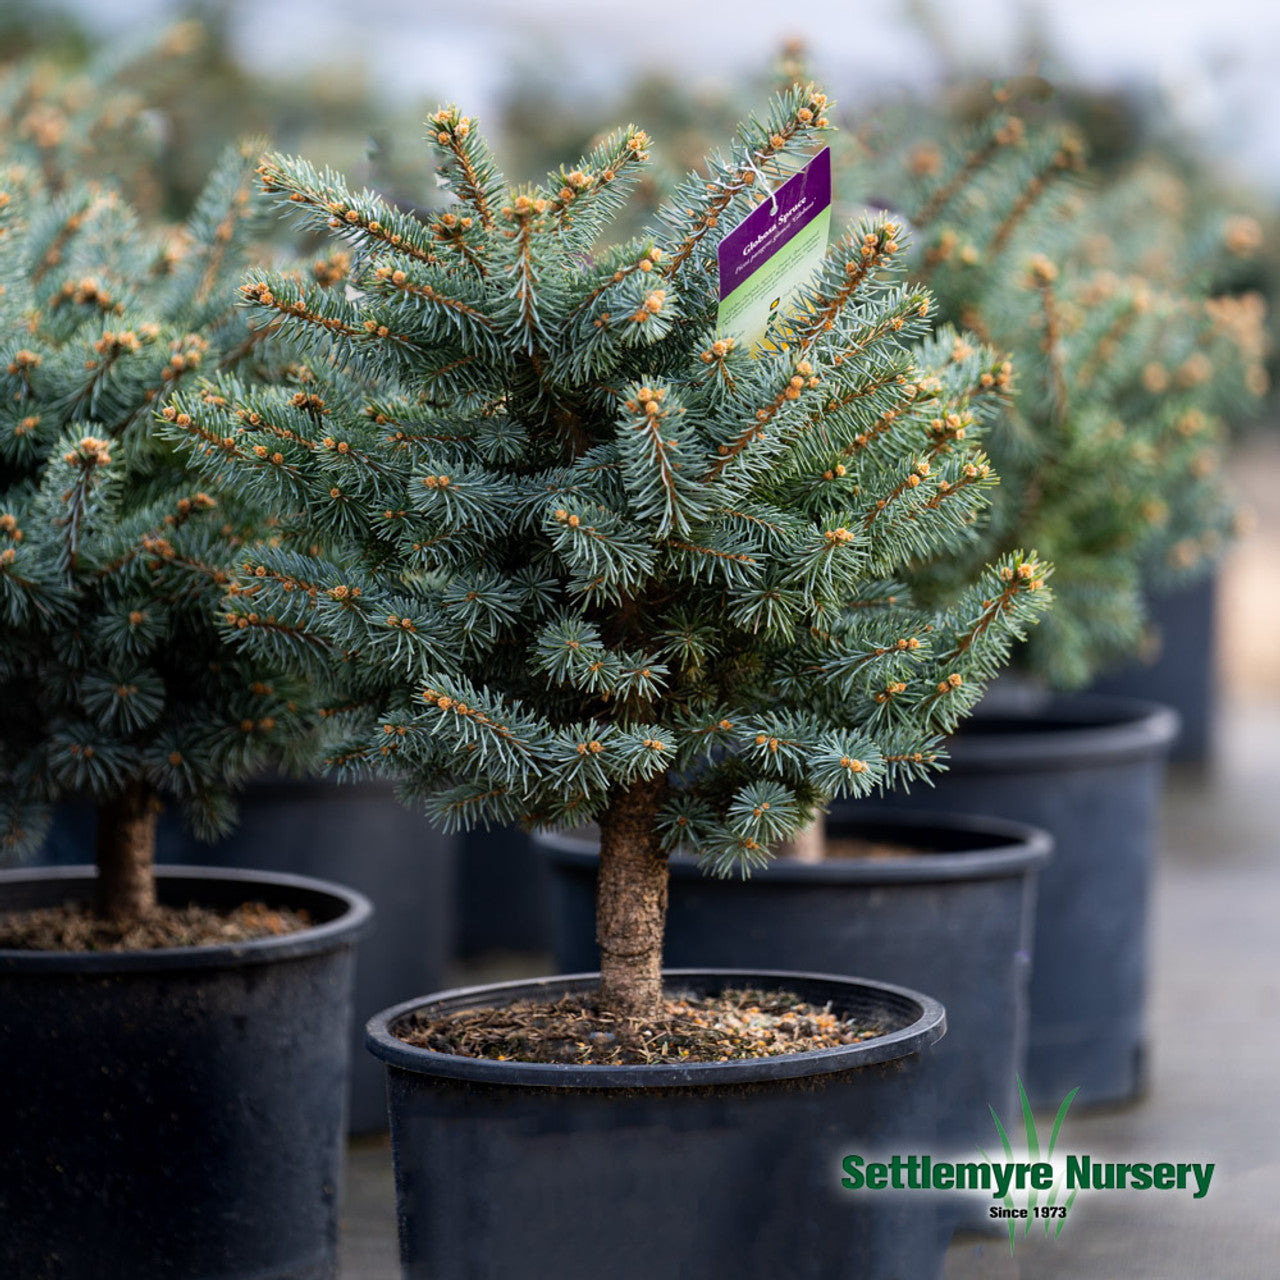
x=865, y=255
x=399, y=281
x=880, y=428
x=298, y=309
x=803, y=376
x=251, y=622
x=70, y=223
x=594, y=188
x=453, y=232
x=1042, y=276
x=894, y=376
x=330, y=204
x=468, y=162
x=974, y=474
x=1036, y=186
x=473, y=716
x=525, y=288
x=237, y=208
x=1006, y=131
x=1108, y=342
x=713, y=553
x=656, y=449
x=643, y=259
x=1020, y=576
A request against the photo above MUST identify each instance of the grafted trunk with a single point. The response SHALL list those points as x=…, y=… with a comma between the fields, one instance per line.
x=631, y=901
x=126, y=854
x=809, y=845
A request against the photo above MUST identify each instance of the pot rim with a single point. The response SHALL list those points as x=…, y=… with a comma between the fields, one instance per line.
x=1066, y=730
x=927, y=1025
x=1033, y=849
x=354, y=918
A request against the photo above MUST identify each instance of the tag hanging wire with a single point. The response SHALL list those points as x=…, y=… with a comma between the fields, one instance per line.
x=764, y=181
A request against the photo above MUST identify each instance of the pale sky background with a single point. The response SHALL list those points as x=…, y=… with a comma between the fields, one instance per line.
x=1213, y=65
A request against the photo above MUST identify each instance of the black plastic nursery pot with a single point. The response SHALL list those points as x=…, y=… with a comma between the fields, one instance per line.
x=955, y=918
x=1183, y=673
x=685, y=1172
x=1088, y=770
x=503, y=894
x=356, y=834
x=177, y=1113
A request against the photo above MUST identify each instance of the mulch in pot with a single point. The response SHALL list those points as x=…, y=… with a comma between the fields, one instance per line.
x=733, y=1025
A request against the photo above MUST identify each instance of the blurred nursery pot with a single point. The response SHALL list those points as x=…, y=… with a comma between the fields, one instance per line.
x=308, y=827
x=942, y=903
x=502, y=896
x=1089, y=771
x=177, y=1112
x=546, y=1171
x=1182, y=673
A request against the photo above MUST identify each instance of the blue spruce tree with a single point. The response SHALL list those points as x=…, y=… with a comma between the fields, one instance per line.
x=563, y=551
x=116, y=684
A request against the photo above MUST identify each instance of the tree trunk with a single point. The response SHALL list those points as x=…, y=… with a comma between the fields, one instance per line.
x=631, y=901
x=126, y=854
x=809, y=845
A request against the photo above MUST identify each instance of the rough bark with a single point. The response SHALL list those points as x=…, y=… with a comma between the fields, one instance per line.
x=126, y=854
x=631, y=902
x=809, y=845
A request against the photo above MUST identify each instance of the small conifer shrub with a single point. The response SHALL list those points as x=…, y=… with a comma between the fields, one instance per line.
x=1132, y=363
x=563, y=551
x=116, y=684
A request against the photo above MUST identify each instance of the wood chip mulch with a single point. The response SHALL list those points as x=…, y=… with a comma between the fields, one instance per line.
x=734, y=1025
x=74, y=927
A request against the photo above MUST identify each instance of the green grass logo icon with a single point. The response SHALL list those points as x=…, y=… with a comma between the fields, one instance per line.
x=1053, y=1216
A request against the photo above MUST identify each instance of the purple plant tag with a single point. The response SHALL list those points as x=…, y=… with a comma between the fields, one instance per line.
x=765, y=260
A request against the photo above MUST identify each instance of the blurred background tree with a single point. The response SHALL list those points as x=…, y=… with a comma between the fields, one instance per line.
x=156, y=111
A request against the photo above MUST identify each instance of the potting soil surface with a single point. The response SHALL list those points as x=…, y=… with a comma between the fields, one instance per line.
x=732, y=1025
x=74, y=927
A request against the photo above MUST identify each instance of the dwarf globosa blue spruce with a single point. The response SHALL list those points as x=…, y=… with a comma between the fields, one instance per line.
x=562, y=551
